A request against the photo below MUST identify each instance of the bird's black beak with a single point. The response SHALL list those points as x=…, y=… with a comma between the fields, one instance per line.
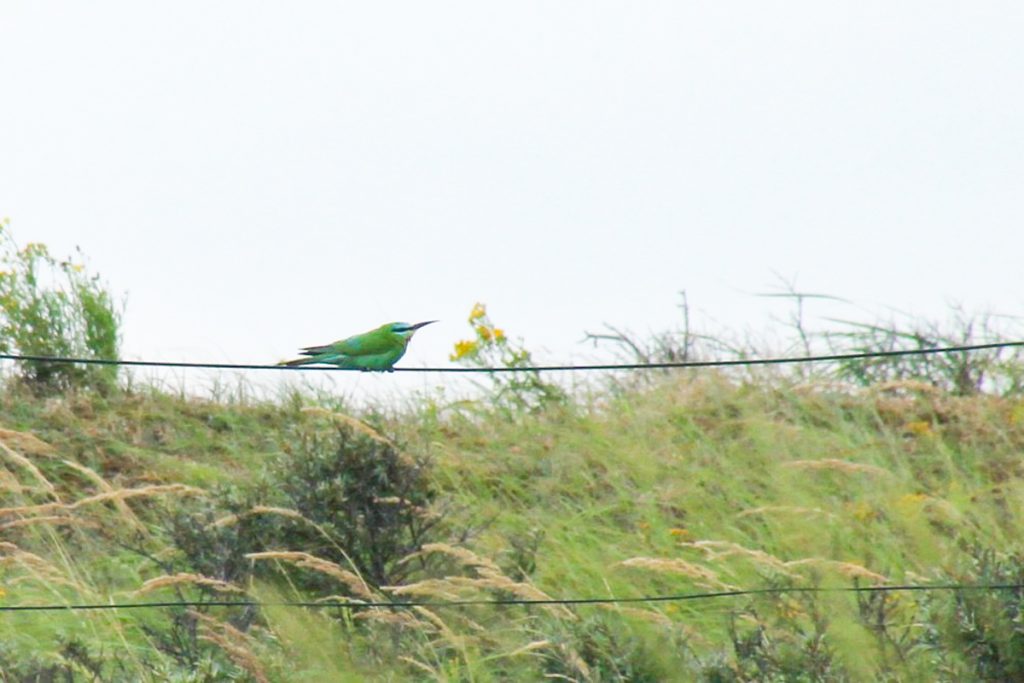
x=423, y=324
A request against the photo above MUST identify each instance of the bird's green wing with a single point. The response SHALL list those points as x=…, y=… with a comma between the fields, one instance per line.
x=369, y=343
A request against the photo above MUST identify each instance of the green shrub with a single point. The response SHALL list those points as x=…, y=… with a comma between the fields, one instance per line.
x=218, y=551
x=55, y=308
x=598, y=648
x=369, y=501
x=987, y=626
x=349, y=497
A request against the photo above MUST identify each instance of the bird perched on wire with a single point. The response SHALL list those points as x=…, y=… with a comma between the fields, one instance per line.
x=377, y=349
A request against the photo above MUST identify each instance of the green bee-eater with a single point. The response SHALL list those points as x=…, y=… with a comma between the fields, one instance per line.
x=377, y=349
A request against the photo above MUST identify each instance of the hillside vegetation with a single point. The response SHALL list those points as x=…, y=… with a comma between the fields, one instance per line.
x=884, y=472
x=687, y=483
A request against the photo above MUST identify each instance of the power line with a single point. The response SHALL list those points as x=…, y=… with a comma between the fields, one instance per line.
x=536, y=368
x=515, y=601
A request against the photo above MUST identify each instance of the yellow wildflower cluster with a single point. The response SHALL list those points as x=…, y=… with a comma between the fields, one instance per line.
x=462, y=349
x=486, y=335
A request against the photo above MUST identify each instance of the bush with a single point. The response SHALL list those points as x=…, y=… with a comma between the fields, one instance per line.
x=988, y=625
x=55, y=308
x=348, y=497
x=602, y=649
x=368, y=499
x=218, y=550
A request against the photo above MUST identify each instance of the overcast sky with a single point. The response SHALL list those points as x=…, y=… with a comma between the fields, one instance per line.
x=262, y=176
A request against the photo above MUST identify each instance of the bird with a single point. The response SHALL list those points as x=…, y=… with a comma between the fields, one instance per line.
x=378, y=349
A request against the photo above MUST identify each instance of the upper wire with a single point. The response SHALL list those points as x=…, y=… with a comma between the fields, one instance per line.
x=535, y=368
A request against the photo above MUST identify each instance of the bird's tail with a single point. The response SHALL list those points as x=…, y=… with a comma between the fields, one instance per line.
x=299, y=361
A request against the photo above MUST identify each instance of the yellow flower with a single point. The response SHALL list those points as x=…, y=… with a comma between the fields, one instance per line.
x=484, y=332
x=918, y=427
x=499, y=334
x=479, y=311
x=462, y=349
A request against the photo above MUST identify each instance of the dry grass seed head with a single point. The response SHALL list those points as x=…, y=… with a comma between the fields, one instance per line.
x=451, y=589
x=142, y=492
x=222, y=626
x=33, y=509
x=105, y=487
x=847, y=569
x=37, y=568
x=441, y=589
x=465, y=557
x=576, y=662
x=307, y=561
x=529, y=648
x=10, y=484
x=26, y=464
x=239, y=654
x=835, y=464
x=115, y=495
x=389, y=616
x=676, y=566
x=184, y=577
x=353, y=423
x=784, y=509
x=231, y=520
x=495, y=580
x=456, y=641
x=390, y=500
x=644, y=614
x=48, y=519
x=422, y=667
x=720, y=550
x=25, y=442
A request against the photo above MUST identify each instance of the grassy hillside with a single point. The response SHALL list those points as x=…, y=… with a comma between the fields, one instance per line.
x=683, y=484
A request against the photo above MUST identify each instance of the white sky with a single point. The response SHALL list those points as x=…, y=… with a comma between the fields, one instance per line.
x=263, y=176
